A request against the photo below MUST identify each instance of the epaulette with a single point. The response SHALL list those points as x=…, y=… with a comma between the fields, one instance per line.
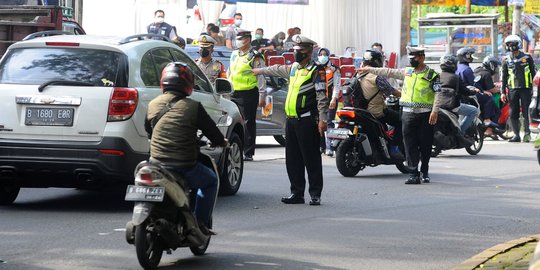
x=430, y=75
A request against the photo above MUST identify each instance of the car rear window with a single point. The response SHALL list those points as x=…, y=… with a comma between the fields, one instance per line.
x=40, y=65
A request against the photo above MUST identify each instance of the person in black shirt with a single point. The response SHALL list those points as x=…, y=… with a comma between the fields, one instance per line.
x=261, y=44
x=484, y=81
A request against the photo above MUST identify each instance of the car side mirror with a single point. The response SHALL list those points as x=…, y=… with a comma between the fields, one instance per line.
x=223, y=86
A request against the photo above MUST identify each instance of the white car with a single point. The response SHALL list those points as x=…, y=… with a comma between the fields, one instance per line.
x=72, y=111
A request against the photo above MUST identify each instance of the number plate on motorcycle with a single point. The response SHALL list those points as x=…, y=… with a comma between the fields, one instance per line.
x=145, y=194
x=338, y=133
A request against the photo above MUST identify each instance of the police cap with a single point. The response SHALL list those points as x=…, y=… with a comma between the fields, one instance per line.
x=414, y=51
x=206, y=41
x=302, y=42
x=242, y=33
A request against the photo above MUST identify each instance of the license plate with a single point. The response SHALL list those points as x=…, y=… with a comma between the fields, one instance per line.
x=48, y=116
x=145, y=194
x=338, y=133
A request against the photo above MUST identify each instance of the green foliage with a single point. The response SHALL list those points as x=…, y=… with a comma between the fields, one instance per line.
x=425, y=9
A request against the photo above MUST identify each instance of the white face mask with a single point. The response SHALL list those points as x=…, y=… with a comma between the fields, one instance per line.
x=160, y=19
x=238, y=22
x=323, y=59
x=240, y=43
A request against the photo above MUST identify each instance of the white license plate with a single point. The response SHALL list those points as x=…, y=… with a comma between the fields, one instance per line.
x=338, y=133
x=48, y=116
x=145, y=194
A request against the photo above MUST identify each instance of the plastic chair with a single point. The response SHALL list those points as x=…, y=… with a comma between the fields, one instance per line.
x=347, y=71
x=289, y=58
x=276, y=60
x=346, y=61
x=335, y=61
x=392, y=60
x=267, y=55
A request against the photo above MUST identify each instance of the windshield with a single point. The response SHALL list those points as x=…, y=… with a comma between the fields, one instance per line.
x=40, y=65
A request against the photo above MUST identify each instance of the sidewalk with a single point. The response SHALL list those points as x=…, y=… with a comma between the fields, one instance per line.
x=513, y=255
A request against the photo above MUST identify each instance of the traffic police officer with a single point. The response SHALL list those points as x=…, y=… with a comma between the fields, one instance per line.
x=211, y=67
x=420, y=110
x=249, y=89
x=518, y=71
x=306, y=108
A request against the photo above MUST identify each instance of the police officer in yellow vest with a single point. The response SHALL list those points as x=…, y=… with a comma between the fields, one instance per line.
x=249, y=89
x=518, y=71
x=420, y=110
x=306, y=108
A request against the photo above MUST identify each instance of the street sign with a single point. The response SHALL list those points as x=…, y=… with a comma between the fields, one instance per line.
x=516, y=2
x=532, y=7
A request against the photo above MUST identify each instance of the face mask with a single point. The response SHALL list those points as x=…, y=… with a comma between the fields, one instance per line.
x=160, y=19
x=323, y=59
x=512, y=47
x=204, y=52
x=257, y=36
x=240, y=43
x=414, y=62
x=299, y=57
x=237, y=22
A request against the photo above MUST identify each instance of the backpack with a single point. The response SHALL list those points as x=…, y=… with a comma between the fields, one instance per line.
x=353, y=95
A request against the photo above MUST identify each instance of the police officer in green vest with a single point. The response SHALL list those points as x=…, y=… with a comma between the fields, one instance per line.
x=306, y=108
x=518, y=71
x=420, y=106
x=249, y=89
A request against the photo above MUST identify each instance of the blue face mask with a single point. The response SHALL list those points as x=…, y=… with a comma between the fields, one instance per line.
x=323, y=59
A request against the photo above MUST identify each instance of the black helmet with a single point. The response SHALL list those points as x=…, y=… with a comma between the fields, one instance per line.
x=448, y=63
x=373, y=58
x=465, y=54
x=491, y=63
x=177, y=76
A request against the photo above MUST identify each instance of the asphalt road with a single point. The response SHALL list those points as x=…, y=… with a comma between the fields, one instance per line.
x=371, y=221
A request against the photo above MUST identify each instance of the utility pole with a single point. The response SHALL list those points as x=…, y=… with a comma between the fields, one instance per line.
x=468, y=7
x=516, y=17
x=405, y=26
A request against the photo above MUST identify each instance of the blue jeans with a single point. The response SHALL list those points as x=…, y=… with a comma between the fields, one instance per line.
x=469, y=113
x=203, y=179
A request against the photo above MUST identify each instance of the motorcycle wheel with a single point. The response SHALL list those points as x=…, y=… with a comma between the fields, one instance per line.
x=478, y=137
x=200, y=250
x=280, y=139
x=231, y=175
x=147, y=246
x=345, y=159
x=8, y=193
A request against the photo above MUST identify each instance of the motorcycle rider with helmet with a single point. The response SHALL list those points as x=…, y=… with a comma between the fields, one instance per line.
x=172, y=123
x=518, y=71
x=484, y=81
x=452, y=89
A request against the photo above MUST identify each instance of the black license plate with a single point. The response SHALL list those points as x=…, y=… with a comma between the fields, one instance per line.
x=48, y=116
x=145, y=194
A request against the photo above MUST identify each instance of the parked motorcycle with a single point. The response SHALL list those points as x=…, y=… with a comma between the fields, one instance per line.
x=163, y=218
x=362, y=140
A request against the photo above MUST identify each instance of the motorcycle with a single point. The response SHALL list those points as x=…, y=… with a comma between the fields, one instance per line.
x=446, y=134
x=163, y=219
x=362, y=140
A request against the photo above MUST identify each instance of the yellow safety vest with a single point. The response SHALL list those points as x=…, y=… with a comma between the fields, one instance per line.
x=301, y=91
x=418, y=91
x=240, y=75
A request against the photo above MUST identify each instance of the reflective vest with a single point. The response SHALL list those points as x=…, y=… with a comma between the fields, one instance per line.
x=240, y=75
x=329, y=70
x=519, y=65
x=417, y=91
x=301, y=97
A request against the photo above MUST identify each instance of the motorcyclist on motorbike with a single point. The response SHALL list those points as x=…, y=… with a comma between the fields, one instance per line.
x=172, y=123
x=452, y=90
x=484, y=81
x=375, y=90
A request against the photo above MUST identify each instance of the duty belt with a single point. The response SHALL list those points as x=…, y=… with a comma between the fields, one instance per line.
x=301, y=116
x=416, y=109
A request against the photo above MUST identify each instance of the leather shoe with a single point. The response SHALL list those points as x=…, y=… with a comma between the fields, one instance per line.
x=425, y=178
x=248, y=158
x=515, y=139
x=413, y=180
x=293, y=199
x=315, y=201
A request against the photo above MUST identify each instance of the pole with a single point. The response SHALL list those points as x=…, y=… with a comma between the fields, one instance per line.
x=468, y=7
x=516, y=19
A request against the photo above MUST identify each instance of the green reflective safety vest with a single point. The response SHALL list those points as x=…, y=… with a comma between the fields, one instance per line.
x=240, y=75
x=301, y=96
x=527, y=77
x=417, y=91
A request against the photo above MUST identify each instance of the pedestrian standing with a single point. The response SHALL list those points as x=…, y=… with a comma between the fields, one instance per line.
x=249, y=89
x=420, y=111
x=306, y=108
x=160, y=27
x=332, y=80
x=518, y=71
x=232, y=30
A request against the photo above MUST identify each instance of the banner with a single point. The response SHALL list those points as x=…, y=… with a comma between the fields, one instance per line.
x=287, y=2
x=461, y=2
x=532, y=7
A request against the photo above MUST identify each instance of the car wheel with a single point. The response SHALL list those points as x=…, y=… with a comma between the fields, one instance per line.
x=280, y=139
x=231, y=174
x=8, y=193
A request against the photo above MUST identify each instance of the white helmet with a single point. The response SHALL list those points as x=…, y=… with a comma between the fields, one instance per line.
x=512, y=43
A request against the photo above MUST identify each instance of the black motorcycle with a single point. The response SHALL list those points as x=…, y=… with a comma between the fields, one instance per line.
x=162, y=216
x=362, y=140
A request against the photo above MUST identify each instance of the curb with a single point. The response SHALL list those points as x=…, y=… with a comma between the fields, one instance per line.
x=491, y=252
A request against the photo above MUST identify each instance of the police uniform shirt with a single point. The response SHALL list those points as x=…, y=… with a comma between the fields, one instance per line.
x=517, y=64
x=212, y=69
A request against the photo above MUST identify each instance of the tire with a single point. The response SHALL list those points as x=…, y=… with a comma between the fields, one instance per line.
x=200, y=250
x=233, y=169
x=8, y=193
x=345, y=159
x=147, y=247
x=478, y=137
x=280, y=139
x=538, y=156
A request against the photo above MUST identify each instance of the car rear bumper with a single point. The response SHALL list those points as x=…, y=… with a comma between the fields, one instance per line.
x=68, y=164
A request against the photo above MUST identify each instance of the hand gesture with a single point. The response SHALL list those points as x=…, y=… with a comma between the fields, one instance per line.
x=322, y=127
x=433, y=118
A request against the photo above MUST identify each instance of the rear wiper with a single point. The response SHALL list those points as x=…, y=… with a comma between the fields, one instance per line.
x=62, y=82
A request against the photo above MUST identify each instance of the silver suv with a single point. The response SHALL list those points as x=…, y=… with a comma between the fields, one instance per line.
x=72, y=111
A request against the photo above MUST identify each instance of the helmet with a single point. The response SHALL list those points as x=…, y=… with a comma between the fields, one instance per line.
x=373, y=58
x=512, y=43
x=491, y=63
x=465, y=54
x=448, y=63
x=177, y=76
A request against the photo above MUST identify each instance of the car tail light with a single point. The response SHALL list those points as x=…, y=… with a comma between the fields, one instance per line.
x=70, y=44
x=346, y=114
x=122, y=104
